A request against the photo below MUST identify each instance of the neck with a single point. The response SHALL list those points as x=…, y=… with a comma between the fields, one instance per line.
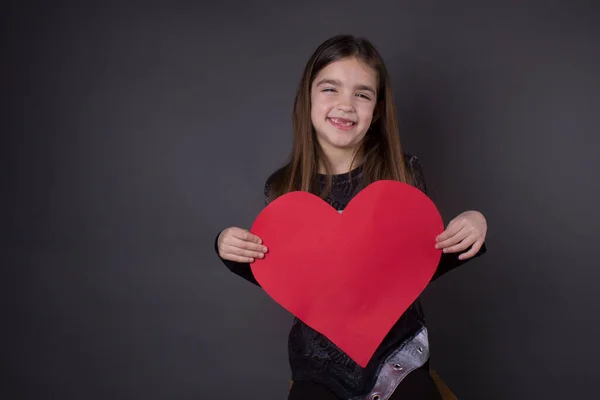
x=340, y=161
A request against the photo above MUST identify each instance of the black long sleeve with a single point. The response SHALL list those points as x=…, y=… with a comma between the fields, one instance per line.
x=332, y=365
x=448, y=261
x=241, y=269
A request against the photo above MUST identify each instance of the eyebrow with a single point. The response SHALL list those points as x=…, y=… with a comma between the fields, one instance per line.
x=336, y=82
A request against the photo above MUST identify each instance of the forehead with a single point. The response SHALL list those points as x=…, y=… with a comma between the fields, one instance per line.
x=349, y=71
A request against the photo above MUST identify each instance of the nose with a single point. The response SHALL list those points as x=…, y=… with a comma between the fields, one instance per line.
x=345, y=105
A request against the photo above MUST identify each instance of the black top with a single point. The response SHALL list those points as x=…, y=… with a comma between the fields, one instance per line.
x=314, y=357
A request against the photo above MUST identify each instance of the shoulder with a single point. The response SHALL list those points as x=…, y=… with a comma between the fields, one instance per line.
x=275, y=177
x=411, y=161
x=272, y=180
x=415, y=169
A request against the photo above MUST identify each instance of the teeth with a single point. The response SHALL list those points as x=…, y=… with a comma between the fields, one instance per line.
x=341, y=122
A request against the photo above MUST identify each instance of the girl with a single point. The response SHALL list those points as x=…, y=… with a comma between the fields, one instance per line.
x=345, y=137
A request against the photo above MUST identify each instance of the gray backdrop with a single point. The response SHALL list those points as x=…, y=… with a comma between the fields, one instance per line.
x=132, y=135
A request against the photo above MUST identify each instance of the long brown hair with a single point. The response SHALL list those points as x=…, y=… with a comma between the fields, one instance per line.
x=382, y=153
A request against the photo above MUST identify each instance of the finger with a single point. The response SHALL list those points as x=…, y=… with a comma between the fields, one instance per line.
x=453, y=228
x=457, y=238
x=246, y=235
x=471, y=253
x=238, y=251
x=239, y=259
x=465, y=244
x=243, y=244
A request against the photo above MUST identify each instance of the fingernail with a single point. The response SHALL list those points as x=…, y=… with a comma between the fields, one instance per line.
x=259, y=241
x=252, y=260
x=261, y=255
x=265, y=249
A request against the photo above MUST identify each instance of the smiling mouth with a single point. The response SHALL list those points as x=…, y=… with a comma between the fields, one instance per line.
x=341, y=122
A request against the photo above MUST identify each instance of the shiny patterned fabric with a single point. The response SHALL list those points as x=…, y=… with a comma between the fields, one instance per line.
x=412, y=355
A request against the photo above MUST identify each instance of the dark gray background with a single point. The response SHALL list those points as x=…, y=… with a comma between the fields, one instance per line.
x=132, y=134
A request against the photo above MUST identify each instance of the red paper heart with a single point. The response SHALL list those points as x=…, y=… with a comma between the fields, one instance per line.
x=349, y=276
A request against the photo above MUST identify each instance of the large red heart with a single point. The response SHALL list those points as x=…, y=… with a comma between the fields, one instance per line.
x=349, y=275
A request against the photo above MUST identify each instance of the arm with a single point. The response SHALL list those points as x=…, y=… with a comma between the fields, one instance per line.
x=240, y=268
x=448, y=261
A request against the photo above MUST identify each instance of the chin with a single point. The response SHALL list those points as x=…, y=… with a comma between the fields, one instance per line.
x=344, y=144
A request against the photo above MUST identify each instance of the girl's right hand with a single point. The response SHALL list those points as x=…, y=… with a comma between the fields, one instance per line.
x=239, y=245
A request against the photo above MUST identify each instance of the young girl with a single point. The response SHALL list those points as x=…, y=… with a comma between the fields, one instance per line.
x=345, y=137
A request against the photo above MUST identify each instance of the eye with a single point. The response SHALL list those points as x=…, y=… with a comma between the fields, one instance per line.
x=364, y=96
x=328, y=90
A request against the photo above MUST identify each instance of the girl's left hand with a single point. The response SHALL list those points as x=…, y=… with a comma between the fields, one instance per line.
x=467, y=229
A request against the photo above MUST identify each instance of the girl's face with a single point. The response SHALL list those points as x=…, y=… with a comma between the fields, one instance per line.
x=343, y=99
